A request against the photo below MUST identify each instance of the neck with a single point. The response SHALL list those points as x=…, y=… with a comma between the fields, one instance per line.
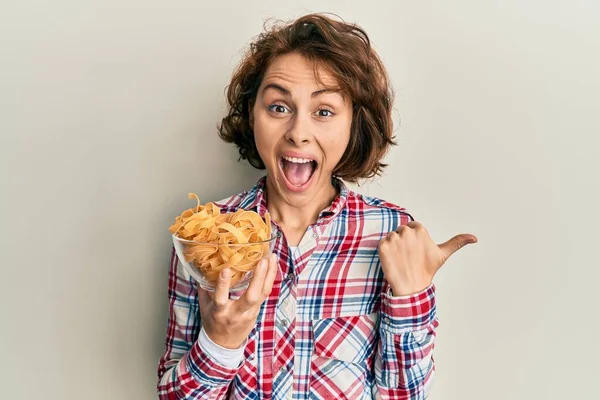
x=298, y=217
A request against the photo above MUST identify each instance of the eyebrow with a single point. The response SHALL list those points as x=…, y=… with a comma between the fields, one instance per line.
x=286, y=92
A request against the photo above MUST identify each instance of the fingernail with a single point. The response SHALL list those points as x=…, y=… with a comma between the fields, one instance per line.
x=225, y=273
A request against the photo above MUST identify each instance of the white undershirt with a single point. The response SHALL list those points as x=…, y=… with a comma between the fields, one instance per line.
x=230, y=358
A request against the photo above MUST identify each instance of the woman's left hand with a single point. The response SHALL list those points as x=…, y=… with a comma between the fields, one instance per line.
x=410, y=259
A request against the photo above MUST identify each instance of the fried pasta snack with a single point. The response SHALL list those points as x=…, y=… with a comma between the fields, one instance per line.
x=213, y=241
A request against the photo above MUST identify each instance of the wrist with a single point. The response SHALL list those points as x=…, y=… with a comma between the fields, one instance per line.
x=227, y=342
x=408, y=290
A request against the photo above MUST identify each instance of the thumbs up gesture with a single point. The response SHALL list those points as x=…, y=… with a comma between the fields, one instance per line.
x=410, y=259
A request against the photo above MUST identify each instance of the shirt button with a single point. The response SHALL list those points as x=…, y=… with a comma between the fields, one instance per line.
x=278, y=234
x=251, y=357
x=290, y=277
x=282, y=369
x=315, y=235
x=283, y=322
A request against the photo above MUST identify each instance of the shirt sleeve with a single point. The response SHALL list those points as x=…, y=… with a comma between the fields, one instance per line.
x=404, y=365
x=186, y=370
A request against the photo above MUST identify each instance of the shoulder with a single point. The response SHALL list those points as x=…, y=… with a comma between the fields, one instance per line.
x=232, y=203
x=246, y=199
x=371, y=206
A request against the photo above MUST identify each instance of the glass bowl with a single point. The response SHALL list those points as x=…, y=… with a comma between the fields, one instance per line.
x=204, y=261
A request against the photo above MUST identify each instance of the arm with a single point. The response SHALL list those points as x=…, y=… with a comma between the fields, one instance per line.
x=404, y=366
x=409, y=260
x=186, y=370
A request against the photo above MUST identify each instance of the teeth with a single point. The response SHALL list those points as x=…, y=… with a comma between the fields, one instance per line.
x=297, y=160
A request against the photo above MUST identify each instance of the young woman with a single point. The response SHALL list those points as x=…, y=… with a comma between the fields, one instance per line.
x=345, y=307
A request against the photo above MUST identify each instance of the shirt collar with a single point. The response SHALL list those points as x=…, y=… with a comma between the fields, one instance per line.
x=255, y=199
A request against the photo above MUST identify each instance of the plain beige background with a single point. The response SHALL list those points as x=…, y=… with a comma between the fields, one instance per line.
x=108, y=114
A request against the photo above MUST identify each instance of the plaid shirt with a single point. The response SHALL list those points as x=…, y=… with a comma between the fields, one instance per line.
x=330, y=328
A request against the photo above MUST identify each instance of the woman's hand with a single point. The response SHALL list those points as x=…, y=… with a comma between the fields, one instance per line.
x=229, y=322
x=410, y=259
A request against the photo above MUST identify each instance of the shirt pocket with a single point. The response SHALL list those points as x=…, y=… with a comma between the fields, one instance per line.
x=350, y=338
x=343, y=354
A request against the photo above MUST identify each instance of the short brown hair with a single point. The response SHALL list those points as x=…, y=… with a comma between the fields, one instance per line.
x=345, y=51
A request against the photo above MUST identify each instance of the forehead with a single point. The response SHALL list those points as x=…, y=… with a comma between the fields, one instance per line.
x=297, y=71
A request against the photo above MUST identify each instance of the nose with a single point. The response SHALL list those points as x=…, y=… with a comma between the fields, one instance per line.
x=299, y=130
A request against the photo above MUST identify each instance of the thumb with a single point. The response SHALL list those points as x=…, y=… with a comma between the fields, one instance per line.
x=457, y=242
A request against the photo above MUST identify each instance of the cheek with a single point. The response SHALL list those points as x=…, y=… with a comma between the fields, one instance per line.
x=264, y=140
x=261, y=146
x=337, y=144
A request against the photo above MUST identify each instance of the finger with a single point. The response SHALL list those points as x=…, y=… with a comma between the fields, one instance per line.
x=399, y=229
x=405, y=229
x=457, y=242
x=204, y=299
x=221, y=297
x=414, y=225
x=391, y=234
x=204, y=296
x=271, y=274
x=254, y=292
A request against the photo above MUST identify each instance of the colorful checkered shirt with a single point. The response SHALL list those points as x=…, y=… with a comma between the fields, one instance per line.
x=330, y=329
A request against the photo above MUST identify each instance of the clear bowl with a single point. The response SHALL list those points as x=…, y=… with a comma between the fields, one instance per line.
x=195, y=258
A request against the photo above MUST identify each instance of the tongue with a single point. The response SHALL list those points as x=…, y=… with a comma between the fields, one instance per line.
x=297, y=174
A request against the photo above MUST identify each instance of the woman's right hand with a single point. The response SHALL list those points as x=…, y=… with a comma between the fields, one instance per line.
x=229, y=322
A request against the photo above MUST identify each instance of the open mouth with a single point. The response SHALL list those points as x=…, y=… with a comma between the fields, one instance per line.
x=298, y=171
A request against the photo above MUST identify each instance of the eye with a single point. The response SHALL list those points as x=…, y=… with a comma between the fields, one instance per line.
x=278, y=108
x=324, y=112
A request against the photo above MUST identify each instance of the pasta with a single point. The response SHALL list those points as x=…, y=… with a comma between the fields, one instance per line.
x=213, y=241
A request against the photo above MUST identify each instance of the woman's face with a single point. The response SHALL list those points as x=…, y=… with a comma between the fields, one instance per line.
x=301, y=128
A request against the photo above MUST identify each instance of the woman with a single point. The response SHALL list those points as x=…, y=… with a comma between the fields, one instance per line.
x=345, y=307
